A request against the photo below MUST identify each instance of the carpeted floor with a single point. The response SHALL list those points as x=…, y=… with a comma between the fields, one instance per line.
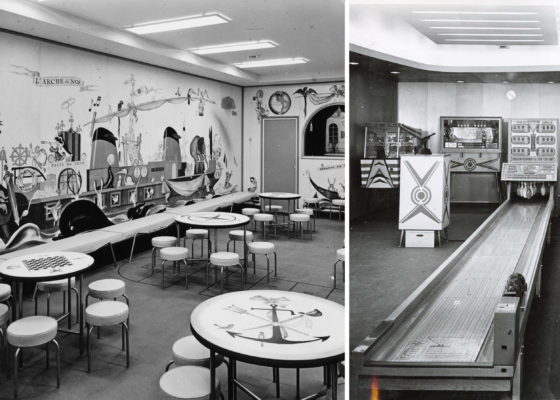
x=159, y=317
x=382, y=275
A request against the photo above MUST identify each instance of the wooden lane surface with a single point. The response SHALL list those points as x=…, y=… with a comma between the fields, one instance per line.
x=451, y=324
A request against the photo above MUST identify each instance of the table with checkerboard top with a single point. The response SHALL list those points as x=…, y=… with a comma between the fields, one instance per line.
x=49, y=266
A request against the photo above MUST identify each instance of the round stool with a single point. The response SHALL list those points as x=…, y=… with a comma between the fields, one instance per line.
x=189, y=351
x=340, y=204
x=274, y=209
x=187, y=382
x=107, y=313
x=174, y=254
x=260, y=217
x=237, y=236
x=57, y=286
x=106, y=289
x=300, y=219
x=6, y=297
x=264, y=248
x=31, y=332
x=340, y=254
x=160, y=242
x=198, y=234
x=4, y=318
x=250, y=212
x=308, y=211
x=222, y=259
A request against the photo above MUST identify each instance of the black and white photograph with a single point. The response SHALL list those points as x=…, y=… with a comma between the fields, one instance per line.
x=173, y=199
x=453, y=115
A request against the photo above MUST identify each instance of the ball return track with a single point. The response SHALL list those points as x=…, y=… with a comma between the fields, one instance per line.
x=442, y=337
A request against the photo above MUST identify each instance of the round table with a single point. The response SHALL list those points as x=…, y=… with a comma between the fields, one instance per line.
x=280, y=196
x=49, y=266
x=214, y=220
x=271, y=328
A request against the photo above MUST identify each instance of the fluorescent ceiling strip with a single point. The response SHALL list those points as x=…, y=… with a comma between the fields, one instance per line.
x=483, y=28
x=476, y=12
x=498, y=21
x=494, y=40
x=270, y=63
x=240, y=46
x=493, y=34
x=193, y=21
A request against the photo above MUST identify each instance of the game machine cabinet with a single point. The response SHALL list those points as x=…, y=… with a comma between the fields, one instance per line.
x=474, y=144
x=384, y=144
x=424, y=199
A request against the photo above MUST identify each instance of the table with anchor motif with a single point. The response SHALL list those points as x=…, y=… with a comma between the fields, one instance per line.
x=271, y=328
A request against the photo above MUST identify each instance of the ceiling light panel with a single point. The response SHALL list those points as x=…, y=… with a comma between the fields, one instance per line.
x=484, y=25
x=193, y=21
x=272, y=62
x=231, y=47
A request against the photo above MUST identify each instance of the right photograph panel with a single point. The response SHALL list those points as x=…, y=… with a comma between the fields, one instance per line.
x=453, y=160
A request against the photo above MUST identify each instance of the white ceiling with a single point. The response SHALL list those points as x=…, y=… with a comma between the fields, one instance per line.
x=393, y=31
x=313, y=29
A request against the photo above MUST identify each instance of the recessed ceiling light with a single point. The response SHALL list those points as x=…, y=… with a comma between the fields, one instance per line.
x=273, y=62
x=477, y=12
x=495, y=40
x=486, y=28
x=354, y=63
x=550, y=82
x=460, y=81
x=493, y=34
x=496, y=21
x=193, y=21
x=505, y=81
x=239, y=46
x=395, y=72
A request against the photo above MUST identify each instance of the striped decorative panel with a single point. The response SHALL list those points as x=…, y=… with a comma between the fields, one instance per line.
x=380, y=173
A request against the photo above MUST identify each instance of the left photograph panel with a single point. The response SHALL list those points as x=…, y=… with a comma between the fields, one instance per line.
x=172, y=199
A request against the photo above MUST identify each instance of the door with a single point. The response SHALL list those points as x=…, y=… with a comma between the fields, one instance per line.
x=279, y=160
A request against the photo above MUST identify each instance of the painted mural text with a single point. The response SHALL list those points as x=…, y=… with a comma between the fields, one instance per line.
x=56, y=81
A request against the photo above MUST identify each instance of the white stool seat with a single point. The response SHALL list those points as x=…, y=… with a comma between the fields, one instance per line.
x=106, y=313
x=307, y=211
x=273, y=208
x=187, y=382
x=4, y=314
x=263, y=217
x=106, y=288
x=250, y=211
x=196, y=234
x=224, y=258
x=299, y=217
x=238, y=235
x=164, y=241
x=5, y=291
x=174, y=253
x=312, y=200
x=261, y=247
x=60, y=285
x=340, y=253
x=32, y=331
x=338, y=202
x=189, y=351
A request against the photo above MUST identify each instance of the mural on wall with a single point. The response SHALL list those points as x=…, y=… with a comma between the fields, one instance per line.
x=319, y=98
x=261, y=110
x=313, y=104
x=113, y=125
x=279, y=102
x=228, y=103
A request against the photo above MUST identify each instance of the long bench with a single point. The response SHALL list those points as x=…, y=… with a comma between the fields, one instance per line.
x=88, y=242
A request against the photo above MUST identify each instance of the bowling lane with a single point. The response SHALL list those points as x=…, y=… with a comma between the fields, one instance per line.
x=451, y=324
